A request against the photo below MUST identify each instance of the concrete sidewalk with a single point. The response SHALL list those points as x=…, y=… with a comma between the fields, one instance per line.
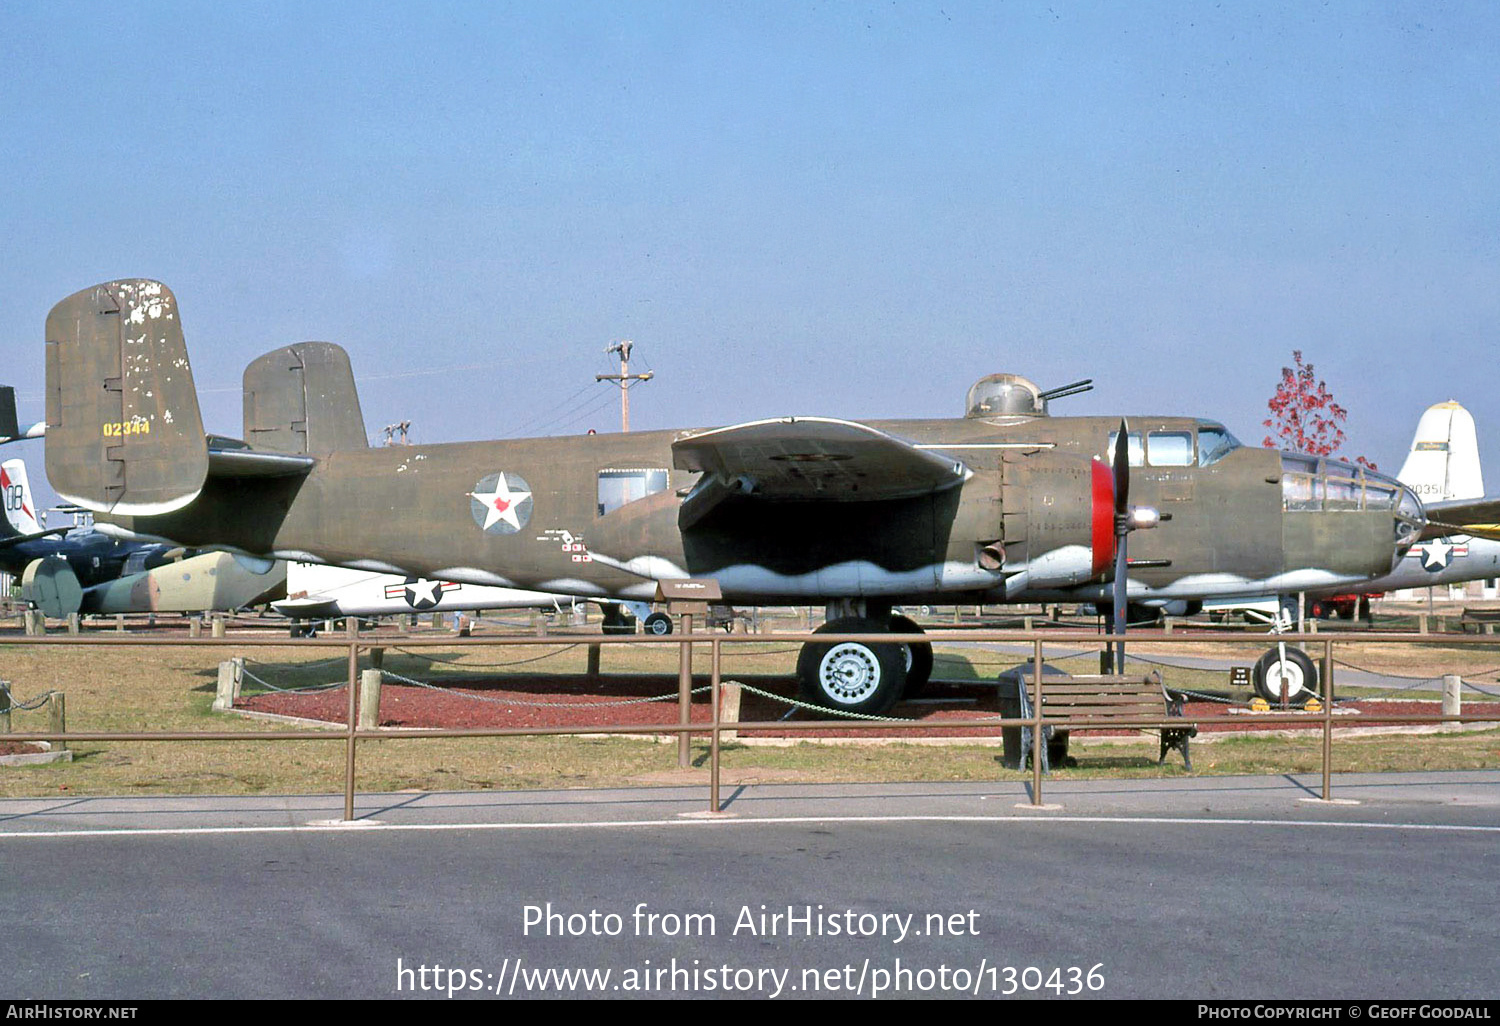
x=1469, y=797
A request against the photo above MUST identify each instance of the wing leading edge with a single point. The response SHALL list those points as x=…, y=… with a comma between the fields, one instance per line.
x=1479, y=518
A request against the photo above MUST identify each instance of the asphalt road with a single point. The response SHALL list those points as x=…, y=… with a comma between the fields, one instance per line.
x=1197, y=888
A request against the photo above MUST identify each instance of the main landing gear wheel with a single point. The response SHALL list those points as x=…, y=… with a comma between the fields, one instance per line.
x=617, y=621
x=851, y=676
x=1301, y=676
x=659, y=624
x=918, y=657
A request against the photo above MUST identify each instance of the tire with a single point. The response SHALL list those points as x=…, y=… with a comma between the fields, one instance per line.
x=659, y=624
x=1302, y=676
x=617, y=621
x=916, y=655
x=852, y=676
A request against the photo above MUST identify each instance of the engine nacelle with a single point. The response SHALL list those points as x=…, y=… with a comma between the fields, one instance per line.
x=1057, y=520
x=49, y=584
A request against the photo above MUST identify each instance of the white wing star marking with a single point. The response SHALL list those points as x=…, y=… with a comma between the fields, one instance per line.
x=501, y=504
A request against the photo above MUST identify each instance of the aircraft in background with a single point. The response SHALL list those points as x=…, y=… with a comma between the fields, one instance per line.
x=1004, y=504
x=90, y=555
x=1442, y=468
x=316, y=592
x=10, y=430
x=87, y=571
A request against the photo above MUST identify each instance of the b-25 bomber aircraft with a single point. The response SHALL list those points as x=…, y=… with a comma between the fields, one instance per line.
x=1005, y=504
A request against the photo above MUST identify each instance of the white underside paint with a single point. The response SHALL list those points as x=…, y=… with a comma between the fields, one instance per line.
x=854, y=578
x=1198, y=586
x=131, y=509
x=1060, y=568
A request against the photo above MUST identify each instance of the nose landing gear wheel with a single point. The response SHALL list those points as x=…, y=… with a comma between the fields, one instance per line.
x=1301, y=676
x=852, y=676
x=659, y=624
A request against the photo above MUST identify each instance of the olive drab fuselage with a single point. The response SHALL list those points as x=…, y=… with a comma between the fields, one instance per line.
x=600, y=516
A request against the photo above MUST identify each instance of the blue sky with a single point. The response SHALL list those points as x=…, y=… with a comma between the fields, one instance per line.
x=849, y=209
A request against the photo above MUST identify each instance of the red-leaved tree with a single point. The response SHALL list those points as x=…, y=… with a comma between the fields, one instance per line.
x=1304, y=417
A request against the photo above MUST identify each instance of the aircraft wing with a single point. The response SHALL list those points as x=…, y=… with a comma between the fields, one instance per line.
x=806, y=459
x=1479, y=518
x=14, y=540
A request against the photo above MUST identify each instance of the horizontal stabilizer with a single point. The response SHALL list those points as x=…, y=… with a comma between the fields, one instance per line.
x=124, y=434
x=230, y=457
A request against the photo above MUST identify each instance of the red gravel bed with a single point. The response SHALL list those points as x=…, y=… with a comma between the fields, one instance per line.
x=20, y=748
x=562, y=701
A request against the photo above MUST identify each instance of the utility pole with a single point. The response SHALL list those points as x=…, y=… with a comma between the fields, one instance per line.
x=624, y=379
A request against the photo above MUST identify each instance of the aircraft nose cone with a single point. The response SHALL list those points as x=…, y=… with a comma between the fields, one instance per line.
x=1411, y=518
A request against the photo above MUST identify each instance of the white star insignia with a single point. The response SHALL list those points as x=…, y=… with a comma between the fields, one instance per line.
x=1436, y=556
x=423, y=591
x=501, y=504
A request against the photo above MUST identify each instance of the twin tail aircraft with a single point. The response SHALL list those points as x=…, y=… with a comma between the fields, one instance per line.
x=1003, y=504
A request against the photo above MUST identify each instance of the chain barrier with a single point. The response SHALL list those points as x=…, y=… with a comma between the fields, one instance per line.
x=512, y=662
x=290, y=691
x=821, y=708
x=670, y=696
x=35, y=703
x=499, y=623
x=297, y=666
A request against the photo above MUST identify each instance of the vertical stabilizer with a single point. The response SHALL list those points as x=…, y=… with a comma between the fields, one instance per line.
x=124, y=434
x=301, y=399
x=9, y=428
x=1444, y=459
x=20, y=509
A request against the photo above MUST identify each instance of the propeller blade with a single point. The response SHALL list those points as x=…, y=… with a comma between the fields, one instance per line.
x=1122, y=469
x=1120, y=606
x=1122, y=529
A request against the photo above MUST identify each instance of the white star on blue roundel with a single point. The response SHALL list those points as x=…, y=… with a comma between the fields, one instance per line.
x=501, y=503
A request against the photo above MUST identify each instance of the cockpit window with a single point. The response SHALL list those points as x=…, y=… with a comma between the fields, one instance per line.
x=1133, y=443
x=1169, y=449
x=1214, y=443
x=1308, y=483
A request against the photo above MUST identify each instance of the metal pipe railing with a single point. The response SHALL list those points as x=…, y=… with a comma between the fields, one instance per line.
x=1037, y=722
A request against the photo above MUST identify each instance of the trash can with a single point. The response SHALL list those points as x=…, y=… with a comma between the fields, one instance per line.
x=1009, y=684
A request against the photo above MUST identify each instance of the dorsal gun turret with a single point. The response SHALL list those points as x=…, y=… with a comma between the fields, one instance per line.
x=1010, y=395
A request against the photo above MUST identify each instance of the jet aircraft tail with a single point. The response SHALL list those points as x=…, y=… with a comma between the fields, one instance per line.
x=20, y=509
x=124, y=433
x=1444, y=460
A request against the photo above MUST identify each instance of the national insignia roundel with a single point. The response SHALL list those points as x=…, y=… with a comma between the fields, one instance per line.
x=501, y=503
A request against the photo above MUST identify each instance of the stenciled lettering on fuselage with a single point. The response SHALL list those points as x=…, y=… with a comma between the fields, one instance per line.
x=501, y=503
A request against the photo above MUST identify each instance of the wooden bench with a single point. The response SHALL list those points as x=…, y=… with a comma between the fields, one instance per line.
x=1482, y=620
x=1090, y=701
